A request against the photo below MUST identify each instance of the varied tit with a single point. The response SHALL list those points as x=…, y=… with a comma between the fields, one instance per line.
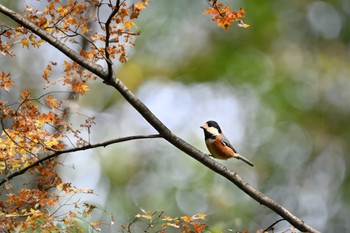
x=218, y=145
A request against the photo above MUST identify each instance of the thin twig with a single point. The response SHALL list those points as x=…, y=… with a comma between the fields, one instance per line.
x=108, y=35
x=89, y=65
x=3, y=31
x=87, y=147
x=269, y=228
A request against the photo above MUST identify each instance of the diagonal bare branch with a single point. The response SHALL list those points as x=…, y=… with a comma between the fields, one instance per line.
x=271, y=227
x=87, y=147
x=206, y=160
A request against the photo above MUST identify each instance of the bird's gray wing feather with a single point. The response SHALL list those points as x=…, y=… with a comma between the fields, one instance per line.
x=227, y=142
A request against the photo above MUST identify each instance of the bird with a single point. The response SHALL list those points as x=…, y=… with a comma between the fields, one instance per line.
x=218, y=145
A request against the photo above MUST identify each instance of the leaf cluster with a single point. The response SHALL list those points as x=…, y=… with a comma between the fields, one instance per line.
x=224, y=16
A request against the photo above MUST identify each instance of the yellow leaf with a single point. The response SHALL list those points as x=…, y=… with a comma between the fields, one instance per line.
x=84, y=29
x=2, y=165
x=51, y=101
x=139, y=6
x=85, y=88
x=15, y=165
x=52, y=142
x=129, y=24
x=186, y=218
x=26, y=163
x=25, y=42
x=39, y=123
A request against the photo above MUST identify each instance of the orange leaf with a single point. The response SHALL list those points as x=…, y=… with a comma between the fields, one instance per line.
x=199, y=228
x=5, y=81
x=42, y=22
x=186, y=218
x=67, y=66
x=80, y=88
x=51, y=101
x=46, y=73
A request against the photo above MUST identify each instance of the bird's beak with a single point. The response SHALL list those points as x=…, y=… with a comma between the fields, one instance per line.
x=202, y=127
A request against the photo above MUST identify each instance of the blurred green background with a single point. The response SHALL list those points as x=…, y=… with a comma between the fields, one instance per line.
x=280, y=91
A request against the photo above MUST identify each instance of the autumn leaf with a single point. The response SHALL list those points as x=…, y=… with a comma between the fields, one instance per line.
x=186, y=218
x=52, y=142
x=2, y=166
x=174, y=225
x=129, y=24
x=50, y=101
x=47, y=73
x=84, y=29
x=224, y=16
x=67, y=66
x=90, y=208
x=42, y=22
x=199, y=227
x=64, y=186
x=139, y=6
x=25, y=43
x=80, y=88
x=6, y=81
x=199, y=216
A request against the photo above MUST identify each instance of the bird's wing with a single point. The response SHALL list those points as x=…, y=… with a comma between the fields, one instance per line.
x=227, y=142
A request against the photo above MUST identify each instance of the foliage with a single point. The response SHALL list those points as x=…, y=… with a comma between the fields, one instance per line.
x=150, y=221
x=224, y=16
x=36, y=128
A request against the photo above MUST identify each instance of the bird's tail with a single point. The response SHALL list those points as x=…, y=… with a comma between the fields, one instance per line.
x=244, y=160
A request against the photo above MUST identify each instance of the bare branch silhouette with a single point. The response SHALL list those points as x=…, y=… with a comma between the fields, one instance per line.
x=87, y=147
x=271, y=227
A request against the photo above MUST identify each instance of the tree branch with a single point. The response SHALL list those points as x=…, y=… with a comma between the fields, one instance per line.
x=271, y=227
x=87, y=147
x=92, y=67
x=207, y=161
x=108, y=35
x=161, y=128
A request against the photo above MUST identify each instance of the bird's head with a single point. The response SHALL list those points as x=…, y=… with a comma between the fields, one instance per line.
x=211, y=129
